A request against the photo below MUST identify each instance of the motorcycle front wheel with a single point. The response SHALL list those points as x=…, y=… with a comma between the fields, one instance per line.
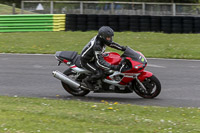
x=152, y=85
x=74, y=92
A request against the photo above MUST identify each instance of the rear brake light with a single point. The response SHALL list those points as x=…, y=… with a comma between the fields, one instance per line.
x=65, y=61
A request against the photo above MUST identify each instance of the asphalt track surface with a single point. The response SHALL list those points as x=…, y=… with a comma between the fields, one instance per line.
x=30, y=76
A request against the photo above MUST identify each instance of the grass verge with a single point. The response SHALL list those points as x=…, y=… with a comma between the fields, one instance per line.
x=62, y=116
x=159, y=45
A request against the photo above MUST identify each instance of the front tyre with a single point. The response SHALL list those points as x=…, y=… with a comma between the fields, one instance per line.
x=74, y=92
x=152, y=85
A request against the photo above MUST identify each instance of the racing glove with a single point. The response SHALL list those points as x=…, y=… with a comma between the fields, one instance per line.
x=123, y=48
x=115, y=67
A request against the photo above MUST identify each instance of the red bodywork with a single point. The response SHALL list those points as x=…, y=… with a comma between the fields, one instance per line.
x=136, y=69
x=112, y=58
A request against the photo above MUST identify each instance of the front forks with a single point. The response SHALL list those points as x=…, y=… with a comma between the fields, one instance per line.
x=142, y=86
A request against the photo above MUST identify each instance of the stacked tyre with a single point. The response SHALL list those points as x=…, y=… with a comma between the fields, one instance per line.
x=166, y=25
x=123, y=23
x=71, y=22
x=113, y=22
x=155, y=23
x=92, y=22
x=102, y=20
x=134, y=23
x=188, y=23
x=197, y=24
x=82, y=22
x=177, y=24
x=145, y=23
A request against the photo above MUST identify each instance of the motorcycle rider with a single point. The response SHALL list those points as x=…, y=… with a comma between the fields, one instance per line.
x=92, y=55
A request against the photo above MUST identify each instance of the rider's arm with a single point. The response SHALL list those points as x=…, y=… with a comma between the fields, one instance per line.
x=99, y=58
x=117, y=46
x=101, y=62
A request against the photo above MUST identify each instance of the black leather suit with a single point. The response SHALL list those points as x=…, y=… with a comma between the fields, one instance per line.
x=92, y=58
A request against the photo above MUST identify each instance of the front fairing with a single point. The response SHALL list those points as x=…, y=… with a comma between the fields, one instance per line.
x=135, y=61
x=134, y=55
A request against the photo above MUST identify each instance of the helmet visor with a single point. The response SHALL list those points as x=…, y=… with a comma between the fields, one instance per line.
x=108, y=39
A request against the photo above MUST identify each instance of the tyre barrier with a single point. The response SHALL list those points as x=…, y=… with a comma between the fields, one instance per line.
x=92, y=22
x=188, y=25
x=145, y=23
x=123, y=23
x=135, y=23
x=155, y=23
x=71, y=22
x=83, y=22
x=35, y=22
x=177, y=25
x=196, y=25
x=102, y=20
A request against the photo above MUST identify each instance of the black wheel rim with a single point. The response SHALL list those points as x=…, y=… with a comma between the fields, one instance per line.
x=75, y=91
x=150, y=86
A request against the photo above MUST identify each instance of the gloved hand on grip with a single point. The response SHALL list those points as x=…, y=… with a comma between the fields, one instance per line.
x=124, y=48
x=115, y=67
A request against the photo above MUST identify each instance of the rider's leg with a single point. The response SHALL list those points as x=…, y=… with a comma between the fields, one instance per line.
x=96, y=73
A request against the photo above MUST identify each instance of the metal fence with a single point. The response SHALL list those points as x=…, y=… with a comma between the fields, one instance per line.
x=117, y=8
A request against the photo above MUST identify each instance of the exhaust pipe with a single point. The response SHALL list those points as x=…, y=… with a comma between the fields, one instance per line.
x=65, y=79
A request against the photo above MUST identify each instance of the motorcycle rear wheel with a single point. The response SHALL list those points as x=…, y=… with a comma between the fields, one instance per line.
x=74, y=92
x=153, y=86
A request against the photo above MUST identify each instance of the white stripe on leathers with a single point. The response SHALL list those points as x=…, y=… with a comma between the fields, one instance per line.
x=91, y=45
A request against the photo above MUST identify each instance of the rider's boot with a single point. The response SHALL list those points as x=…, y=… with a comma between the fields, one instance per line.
x=91, y=80
x=88, y=83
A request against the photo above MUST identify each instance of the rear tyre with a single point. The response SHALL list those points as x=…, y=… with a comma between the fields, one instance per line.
x=74, y=92
x=152, y=85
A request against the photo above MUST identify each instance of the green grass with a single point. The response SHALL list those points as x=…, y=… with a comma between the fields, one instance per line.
x=7, y=10
x=159, y=45
x=26, y=115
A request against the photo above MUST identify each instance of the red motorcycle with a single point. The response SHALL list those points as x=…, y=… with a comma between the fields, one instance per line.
x=130, y=78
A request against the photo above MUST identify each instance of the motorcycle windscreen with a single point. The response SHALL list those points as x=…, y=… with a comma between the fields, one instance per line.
x=134, y=55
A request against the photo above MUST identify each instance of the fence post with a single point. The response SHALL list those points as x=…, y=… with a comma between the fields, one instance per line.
x=174, y=9
x=81, y=7
x=13, y=8
x=51, y=7
x=143, y=8
x=112, y=8
x=22, y=7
